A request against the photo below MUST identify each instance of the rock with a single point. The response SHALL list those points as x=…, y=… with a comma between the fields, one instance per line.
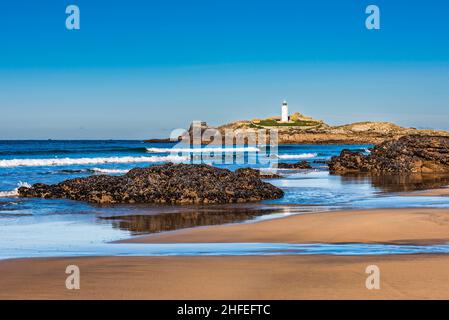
x=408, y=154
x=168, y=183
x=349, y=161
x=270, y=175
x=297, y=165
x=259, y=174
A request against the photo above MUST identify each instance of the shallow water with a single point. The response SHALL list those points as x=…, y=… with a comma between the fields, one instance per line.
x=169, y=219
x=222, y=249
x=40, y=227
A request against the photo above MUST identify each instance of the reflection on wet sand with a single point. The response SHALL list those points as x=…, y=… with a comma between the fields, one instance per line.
x=195, y=217
x=400, y=183
x=153, y=219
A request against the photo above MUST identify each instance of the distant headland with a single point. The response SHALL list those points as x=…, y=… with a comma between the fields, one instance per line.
x=296, y=128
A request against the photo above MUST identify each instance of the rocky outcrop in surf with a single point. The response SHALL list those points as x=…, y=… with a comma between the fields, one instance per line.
x=259, y=174
x=296, y=165
x=168, y=183
x=408, y=154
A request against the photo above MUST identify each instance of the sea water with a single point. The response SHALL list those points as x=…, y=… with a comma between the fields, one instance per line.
x=55, y=227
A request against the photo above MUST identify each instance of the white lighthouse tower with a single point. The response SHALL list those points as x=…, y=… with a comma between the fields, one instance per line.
x=284, y=112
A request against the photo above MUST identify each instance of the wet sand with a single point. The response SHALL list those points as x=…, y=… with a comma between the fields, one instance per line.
x=257, y=277
x=439, y=192
x=416, y=225
x=266, y=277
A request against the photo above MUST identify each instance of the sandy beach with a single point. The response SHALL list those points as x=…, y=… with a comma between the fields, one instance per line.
x=268, y=277
x=257, y=277
x=438, y=192
x=415, y=225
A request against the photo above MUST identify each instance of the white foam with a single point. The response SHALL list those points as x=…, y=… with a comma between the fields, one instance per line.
x=99, y=170
x=10, y=163
x=7, y=194
x=203, y=150
x=15, y=192
x=297, y=156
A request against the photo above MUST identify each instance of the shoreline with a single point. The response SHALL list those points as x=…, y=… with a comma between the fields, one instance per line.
x=258, y=277
x=421, y=226
x=437, y=192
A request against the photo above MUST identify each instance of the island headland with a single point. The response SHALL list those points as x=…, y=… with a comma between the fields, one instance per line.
x=296, y=128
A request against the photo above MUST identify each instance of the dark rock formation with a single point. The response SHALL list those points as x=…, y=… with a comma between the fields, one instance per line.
x=168, y=183
x=349, y=161
x=321, y=161
x=409, y=154
x=258, y=174
x=297, y=165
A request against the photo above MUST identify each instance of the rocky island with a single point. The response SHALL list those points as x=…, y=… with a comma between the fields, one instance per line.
x=315, y=132
x=168, y=183
x=300, y=129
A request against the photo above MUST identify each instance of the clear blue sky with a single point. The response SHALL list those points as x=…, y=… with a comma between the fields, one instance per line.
x=138, y=69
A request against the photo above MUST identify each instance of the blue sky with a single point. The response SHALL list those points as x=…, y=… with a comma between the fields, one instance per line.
x=139, y=69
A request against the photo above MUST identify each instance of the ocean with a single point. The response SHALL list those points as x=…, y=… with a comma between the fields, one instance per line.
x=49, y=227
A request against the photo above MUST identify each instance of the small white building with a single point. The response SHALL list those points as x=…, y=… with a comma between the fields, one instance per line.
x=284, y=112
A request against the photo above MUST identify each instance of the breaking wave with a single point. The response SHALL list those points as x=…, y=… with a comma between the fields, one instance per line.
x=72, y=151
x=15, y=192
x=297, y=156
x=203, y=150
x=11, y=163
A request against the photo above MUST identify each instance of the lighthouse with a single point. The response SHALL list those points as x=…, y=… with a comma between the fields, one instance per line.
x=284, y=112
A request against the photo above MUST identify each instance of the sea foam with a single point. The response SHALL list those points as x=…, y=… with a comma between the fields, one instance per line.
x=203, y=150
x=10, y=163
x=15, y=192
x=297, y=156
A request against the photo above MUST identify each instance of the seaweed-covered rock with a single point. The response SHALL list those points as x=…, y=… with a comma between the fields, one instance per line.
x=168, y=183
x=409, y=154
x=296, y=165
x=258, y=173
